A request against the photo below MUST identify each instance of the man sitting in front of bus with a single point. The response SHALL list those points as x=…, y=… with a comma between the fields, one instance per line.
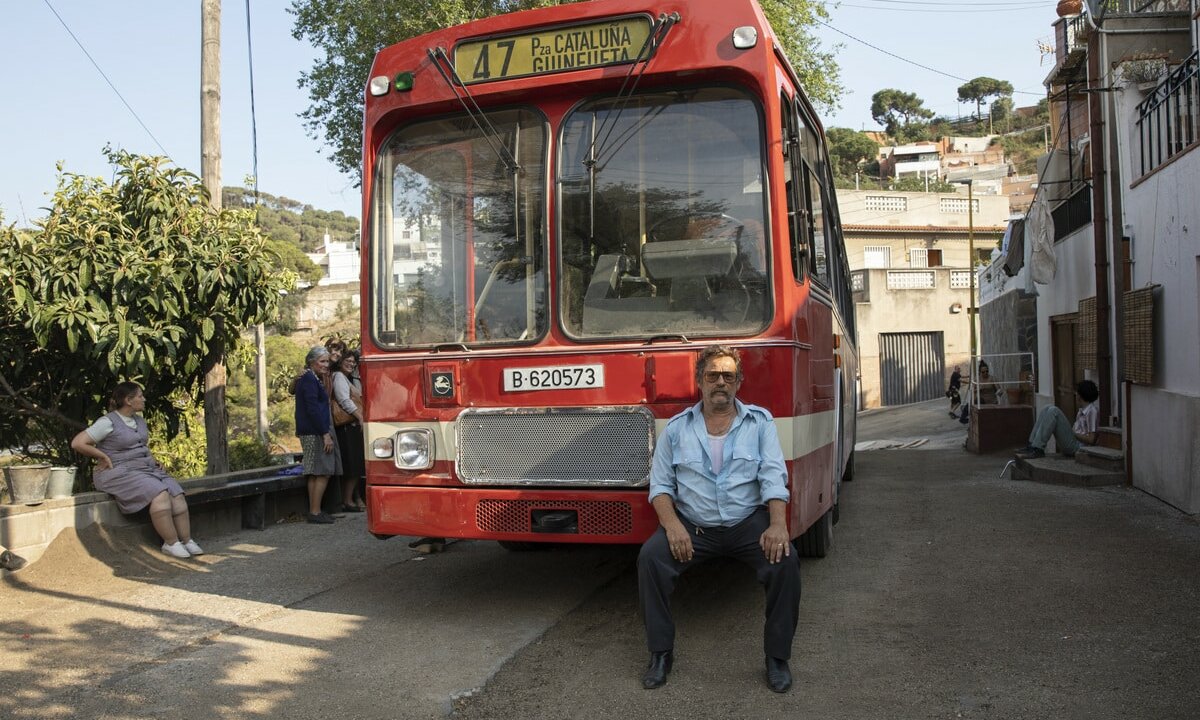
x=719, y=486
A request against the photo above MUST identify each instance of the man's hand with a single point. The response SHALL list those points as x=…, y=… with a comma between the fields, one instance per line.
x=679, y=541
x=775, y=543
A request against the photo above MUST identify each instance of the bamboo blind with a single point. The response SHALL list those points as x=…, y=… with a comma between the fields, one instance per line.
x=1137, y=313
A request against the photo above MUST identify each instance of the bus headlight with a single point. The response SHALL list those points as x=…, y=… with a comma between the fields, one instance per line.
x=414, y=449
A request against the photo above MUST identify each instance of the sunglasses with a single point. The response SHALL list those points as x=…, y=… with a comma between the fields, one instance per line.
x=728, y=377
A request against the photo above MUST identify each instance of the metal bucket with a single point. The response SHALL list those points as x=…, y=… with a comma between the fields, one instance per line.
x=27, y=483
x=62, y=482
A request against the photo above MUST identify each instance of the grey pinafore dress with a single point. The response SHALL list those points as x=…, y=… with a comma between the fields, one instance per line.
x=135, y=478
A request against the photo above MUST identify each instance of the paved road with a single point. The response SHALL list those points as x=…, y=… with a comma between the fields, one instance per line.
x=949, y=593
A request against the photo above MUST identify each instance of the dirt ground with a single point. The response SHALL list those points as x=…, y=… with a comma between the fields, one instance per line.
x=950, y=593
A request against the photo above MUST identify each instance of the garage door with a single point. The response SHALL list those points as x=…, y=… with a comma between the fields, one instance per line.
x=912, y=367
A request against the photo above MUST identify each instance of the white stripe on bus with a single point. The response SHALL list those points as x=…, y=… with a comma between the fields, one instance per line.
x=798, y=436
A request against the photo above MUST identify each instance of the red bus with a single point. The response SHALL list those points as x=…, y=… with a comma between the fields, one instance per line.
x=562, y=207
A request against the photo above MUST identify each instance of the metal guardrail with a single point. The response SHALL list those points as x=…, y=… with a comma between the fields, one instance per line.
x=1169, y=119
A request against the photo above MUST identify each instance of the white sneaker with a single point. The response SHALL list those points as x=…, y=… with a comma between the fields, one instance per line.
x=193, y=548
x=176, y=550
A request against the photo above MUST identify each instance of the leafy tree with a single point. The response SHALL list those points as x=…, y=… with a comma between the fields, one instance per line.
x=135, y=279
x=820, y=74
x=982, y=88
x=849, y=150
x=896, y=110
x=913, y=183
x=350, y=32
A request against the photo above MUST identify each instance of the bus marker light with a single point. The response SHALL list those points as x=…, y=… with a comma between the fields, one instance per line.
x=382, y=448
x=379, y=85
x=414, y=449
x=745, y=37
x=404, y=82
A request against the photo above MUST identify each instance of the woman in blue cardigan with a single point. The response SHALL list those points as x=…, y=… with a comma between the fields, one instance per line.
x=314, y=426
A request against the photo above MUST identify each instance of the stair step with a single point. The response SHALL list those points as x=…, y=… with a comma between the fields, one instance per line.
x=1101, y=457
x=1109, y=437
x=1059, y=470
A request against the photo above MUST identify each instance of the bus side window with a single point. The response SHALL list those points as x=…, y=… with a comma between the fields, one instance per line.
x=797, y=232
x=818, y=199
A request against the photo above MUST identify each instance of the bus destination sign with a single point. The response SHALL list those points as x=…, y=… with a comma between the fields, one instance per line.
x=564, y=48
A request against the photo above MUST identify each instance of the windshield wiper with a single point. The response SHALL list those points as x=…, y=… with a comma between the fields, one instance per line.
x=654, y=40
x=445, y=68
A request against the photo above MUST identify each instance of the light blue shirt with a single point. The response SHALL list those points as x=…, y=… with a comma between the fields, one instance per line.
x=752, y=469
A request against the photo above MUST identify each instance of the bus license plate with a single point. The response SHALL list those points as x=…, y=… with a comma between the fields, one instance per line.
x=561, y=377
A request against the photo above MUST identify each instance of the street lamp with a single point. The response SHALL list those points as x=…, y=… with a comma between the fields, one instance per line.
x=969, y=182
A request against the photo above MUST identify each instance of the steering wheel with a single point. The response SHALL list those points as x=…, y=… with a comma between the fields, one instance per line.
x=684, y=220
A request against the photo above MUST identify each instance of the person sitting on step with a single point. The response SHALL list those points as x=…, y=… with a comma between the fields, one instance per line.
x=1052, y=422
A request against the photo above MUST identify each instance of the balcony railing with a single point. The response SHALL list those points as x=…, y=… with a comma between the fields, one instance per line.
x=1070, y=34
x=1169, y=120
x=1073, y=213
x=1108, y=8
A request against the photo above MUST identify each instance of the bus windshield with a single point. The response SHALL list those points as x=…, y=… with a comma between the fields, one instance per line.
x=457, y=219
x=662, y=216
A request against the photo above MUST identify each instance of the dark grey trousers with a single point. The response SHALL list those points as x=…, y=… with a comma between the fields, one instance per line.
x=658, y=572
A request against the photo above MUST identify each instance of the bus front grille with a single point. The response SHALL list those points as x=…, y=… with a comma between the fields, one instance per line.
x=596, y=517
x=604, y=446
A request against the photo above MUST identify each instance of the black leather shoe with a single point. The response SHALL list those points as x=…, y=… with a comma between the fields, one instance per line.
x=656, y=672
x=779, y=676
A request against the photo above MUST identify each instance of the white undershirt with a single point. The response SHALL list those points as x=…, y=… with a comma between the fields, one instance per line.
x=716, y=448
x=103, y=427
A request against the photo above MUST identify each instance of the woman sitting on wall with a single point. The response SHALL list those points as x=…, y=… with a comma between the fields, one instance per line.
x=125, y=469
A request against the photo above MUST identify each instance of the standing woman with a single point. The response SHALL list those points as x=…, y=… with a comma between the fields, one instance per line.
x=125, y=469
x=347, y=393
x=314, y=426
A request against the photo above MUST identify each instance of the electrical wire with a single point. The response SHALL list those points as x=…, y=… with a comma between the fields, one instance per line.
x=910, y=62
x=253, y=115
x=944, y=11
x=110, y=82
x=1024, y=3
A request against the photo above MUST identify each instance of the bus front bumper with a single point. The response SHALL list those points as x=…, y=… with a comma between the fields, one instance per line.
x=512, y=514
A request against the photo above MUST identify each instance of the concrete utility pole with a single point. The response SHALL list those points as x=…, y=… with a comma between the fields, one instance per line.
x=215, y=423
x=971, y=251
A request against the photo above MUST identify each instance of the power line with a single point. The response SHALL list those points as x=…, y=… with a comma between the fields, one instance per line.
x=944, y=11
x=253, y=116
x=1026, y=3
x=110, y=83
x=904, y=59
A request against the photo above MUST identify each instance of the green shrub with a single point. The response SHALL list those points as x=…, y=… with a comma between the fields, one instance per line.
x=247, y=452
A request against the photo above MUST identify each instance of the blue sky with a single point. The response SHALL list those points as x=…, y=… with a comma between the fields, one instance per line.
x=58, y=107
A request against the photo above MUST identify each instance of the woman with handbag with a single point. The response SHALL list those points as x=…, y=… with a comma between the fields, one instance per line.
x=347, y=420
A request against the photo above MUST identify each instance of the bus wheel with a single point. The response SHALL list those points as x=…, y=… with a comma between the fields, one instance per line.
x=522, y=545
x=819, y=538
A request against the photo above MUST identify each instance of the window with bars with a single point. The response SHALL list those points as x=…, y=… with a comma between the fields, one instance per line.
x=910, y=280
x=877, y=256
x=891, y=203
x=924, y=257
x=957, y=205
x=960, y=279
